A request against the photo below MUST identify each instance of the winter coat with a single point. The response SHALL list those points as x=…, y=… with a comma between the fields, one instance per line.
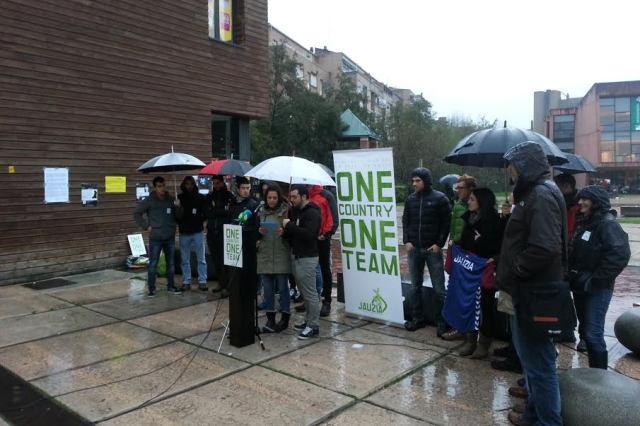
x=160, y=215
x=238, y=206
x=599, y=246
x=191, y=214
x=457, y=222
x=488, y=226
x=535, y=242
x=427, y=215
x=302, y=231
x=326, y=224
x=333, y=206
x=571, y=202
x=217, y=210
x=274, y=252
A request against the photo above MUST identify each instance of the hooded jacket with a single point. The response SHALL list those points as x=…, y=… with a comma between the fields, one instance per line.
x=274, y=252
x=160, y=216
x=333, y=206
x=217, y=205
x=535, y=237
x=599, y=246
x=326, y=224
x=302, y=231
x=190, y=214
x=427, y=214
x=482, y=234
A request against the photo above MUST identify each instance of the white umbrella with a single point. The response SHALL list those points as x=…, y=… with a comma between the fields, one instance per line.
x=171, y=162
x=294, y=170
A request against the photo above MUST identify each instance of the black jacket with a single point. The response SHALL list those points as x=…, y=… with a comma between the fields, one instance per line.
x=534, y=247
x=599, y=247
x=489, y=229
x=217, y=205
x=426, y=218
x=190, y=214
x=302, y=231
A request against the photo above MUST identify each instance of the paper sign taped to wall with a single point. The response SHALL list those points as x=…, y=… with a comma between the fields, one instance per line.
x=89, y=194
x=56, y=185
x=115, y=184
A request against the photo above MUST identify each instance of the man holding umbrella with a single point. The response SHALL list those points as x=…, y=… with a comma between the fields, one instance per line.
x=159, y=209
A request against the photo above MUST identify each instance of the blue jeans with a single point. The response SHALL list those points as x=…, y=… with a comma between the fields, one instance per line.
x=186, y=242
x=538, y=358
x=319, y=282
x=435, y=263
x=272, y=283
x=155, y=247
x=591, y=309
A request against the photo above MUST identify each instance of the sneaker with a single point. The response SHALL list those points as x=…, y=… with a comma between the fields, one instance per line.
x=325, y=310
x=175, y=291
x=452, y=335
x=308, y=333
x=151, y=293
x=186, y=286
x=300, y=326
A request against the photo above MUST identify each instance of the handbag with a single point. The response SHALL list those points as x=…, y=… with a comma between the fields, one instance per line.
x=544, y=310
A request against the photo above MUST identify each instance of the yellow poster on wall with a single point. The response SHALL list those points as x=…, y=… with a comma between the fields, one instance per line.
x=226, y=20
x=115, y=184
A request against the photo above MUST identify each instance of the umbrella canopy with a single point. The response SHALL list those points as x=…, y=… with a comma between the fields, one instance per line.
x=449, y=180
x=291, y=170
x=577, y=164
x=485, y=148
x=226, y=168
x=327, y=169
x=171, y=162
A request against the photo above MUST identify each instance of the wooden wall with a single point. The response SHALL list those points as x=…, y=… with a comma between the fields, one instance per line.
x=100, y=87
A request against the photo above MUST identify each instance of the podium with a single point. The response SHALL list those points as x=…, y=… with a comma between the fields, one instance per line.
x=242, y=293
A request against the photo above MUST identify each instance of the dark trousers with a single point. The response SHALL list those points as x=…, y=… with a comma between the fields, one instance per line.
x=324, y=256
x=487, y=312
x=215, y=241
x=592, y=311
x=435, y=263
x=155, y=247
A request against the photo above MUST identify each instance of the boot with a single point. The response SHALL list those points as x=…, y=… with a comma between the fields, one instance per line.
x=283, y=324
x=270, y=326
x=469, y=344
x=482, y=350
x=599, y=360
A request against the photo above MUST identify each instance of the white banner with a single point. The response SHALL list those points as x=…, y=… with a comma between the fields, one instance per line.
x=368, y=233
x=233, y=245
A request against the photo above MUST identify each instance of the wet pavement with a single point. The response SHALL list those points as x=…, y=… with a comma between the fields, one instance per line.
x=101, y=349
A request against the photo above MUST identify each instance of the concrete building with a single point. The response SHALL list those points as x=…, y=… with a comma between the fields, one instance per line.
x=321, y=68
x=603, y=126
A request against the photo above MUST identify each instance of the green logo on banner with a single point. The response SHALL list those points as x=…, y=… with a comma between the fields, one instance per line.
x=377, y=305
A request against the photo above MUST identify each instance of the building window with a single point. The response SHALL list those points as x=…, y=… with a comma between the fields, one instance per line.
x=300, y=72
x=313, y=80
x=564, y=131
x=619, y=122
x=221, y=22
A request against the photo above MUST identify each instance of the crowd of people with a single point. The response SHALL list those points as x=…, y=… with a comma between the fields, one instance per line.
x=292, y=235
x=547, y=232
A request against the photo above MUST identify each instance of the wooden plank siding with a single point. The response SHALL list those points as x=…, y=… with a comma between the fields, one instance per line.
x=100, y=87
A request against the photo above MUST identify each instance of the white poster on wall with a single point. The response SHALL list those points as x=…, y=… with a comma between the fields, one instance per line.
x=56, y=185
x=233, y=245
x=368, y=233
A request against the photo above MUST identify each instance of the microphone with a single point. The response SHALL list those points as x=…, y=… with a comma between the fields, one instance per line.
x=259, y=206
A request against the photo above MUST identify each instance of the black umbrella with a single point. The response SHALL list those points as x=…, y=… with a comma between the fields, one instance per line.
x=485, y=148
x=171, y=162
x=577, y=164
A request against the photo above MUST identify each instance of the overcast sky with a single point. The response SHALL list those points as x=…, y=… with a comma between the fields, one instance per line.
x=475, y=58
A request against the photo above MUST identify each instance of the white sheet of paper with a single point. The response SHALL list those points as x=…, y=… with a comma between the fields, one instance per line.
x=142, y=192
x=136, y=243
x=586, y=236
x=56, y=185
x=88, y=195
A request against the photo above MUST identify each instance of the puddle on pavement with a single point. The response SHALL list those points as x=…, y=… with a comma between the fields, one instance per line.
x=23, y=404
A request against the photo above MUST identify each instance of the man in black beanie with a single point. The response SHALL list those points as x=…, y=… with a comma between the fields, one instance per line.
x=425, y=221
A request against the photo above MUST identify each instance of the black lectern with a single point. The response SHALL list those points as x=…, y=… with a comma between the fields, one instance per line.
x=242, y=293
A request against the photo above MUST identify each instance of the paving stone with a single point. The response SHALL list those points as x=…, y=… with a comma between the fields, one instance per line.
x=49, y=356
x=197, y=366
x=252, y=396
x=29, y=304
x=31, y=327
x=364, y=414
x=356, y=362
x=452, y=390
x=425, y=335
x=104, y=275
x=100, y=292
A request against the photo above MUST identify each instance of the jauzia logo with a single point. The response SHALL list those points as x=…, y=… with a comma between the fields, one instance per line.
x=377, y=305
x=464, y=262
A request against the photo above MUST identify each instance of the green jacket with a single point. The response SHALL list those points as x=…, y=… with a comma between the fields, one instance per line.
x=274, y=253
x=159, y=214
x=457, y=223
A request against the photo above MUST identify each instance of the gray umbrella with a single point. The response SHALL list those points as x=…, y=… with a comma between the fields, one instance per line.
x=171, y=162
x=577, y=164
x=485, y=148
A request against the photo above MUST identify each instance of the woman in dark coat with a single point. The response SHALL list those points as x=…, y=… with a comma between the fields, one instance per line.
x=481, y=235
x=599, y=251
